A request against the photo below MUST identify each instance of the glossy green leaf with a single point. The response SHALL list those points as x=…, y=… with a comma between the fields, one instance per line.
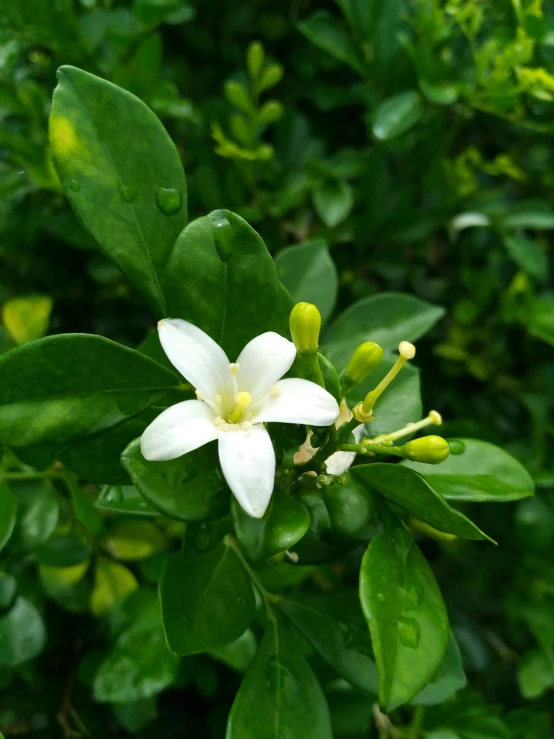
x=22, y=633
x=64, y=550
x=130, y=194
x=350, y=507
x=98, y=458
x=541, y=320
x=309, y=274
x=399, y=405
x=239, y=654
x=449, y=678
x=207, y=600
x=397, y=114
x=8, y=512
x=84, y=506
x=405, y=613
x=284, y=523
x=279, y=696
x=65, y=387
x=140, y=665
x=334, y=626
x=387, y=319
x=333, y=201
x=219, y=293
x=410, y=490
x=113, y=582
x=37, y=516
x=528, y=255
x=189, y=488
x=483, y=473
x=125, y=499
x=325, y=31
x=136, y=540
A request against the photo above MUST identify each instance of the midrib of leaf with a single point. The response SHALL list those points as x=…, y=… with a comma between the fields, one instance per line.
x=210, y=581
x=87, y=393
x=134, y=215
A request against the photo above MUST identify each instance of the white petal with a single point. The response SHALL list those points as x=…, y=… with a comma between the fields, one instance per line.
x=196, y=355
x=339, y=462
x=248, y=463
x=178, y=430
x=299, y=401
x=263, y=361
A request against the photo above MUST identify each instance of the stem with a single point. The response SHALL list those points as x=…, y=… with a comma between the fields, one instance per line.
x=314, y=369
x=266, y=596
x=417, y=719
x=347, y=428
x=365, y=449
x=30, y=475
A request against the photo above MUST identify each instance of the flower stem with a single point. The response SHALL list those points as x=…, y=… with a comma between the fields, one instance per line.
x=370, y=449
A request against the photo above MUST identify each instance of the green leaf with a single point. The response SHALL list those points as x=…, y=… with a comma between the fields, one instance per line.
x=398, y=406
x=405, y=613
x=412, y=492
x=279, y=696
x=22, y=633
x=332, y=626
x=64, y=550
x=449, y=678
x=27, y=318
x=8, y=589
x=125, y=499
x=538, y=220
x=350, y=507
x=135, y=540
x=222, y=289
x=129, y=193
x=397, y=114
x=64, y=387
x=483, y=473
x=326, y=32
x=8, y=513
x=387, y=319
x=528, y=255
x=207, y=600
x=189, y=488
x=541, y=322
x=333, y=202
x=140, y=665
x=37, y=516
x=239, y=654
x=535, y=673
x=310, y=275
x=98, y=458
x=284, y=523
x=113, y=582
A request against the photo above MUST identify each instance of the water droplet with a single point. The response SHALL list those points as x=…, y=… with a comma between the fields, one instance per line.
x=279, y=678
x=113, y=494
x=456, y=446
x=411, y=599
x=74, y=185
x=409, y=632
x=223, y=235
x=381, y=597
x=169, y=200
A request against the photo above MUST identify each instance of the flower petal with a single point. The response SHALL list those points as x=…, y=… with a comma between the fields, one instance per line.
x=339, y=462
x=196, y=355
x=263, y=361
x=299, y=401
x=180, y=429
x=248, y=463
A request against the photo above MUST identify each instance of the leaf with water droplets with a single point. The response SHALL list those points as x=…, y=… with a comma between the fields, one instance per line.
x=128, y=191
x=207, y=600
x=280, y=697
x=405, y=613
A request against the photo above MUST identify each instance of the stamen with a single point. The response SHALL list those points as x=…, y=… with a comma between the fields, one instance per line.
x=234, y=368
x=406, y=351
x=200, y=395
x=245, y=426
x=274, y=392
x=434, y=417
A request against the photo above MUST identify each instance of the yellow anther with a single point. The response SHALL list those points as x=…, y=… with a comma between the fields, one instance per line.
x=406, y=351
x=435, y=417
x=234, y=368
x=242, y=400
x=274, y=392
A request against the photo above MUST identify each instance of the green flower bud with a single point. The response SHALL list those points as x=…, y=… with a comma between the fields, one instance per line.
x=305, y=324
x=427, y=449
x=364, y=360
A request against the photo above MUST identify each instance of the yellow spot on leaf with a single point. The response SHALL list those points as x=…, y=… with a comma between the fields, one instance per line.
x=63, y=138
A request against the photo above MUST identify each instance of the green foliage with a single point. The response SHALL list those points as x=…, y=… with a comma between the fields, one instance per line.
x=394, y=160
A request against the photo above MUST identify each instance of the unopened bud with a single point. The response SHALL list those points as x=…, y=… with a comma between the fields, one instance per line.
x=305, y=324
x=427, y=449
x=364, y=360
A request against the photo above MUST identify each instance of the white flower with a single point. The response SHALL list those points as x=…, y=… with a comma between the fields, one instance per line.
x=234, y=401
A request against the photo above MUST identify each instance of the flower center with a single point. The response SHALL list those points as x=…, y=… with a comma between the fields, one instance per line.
x=242, y=400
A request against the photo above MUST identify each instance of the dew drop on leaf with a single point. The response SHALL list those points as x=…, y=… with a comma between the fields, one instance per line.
x=381, y=597
x=409, y=632
x=74, y=185
x=169, y=200
x=223, y=235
